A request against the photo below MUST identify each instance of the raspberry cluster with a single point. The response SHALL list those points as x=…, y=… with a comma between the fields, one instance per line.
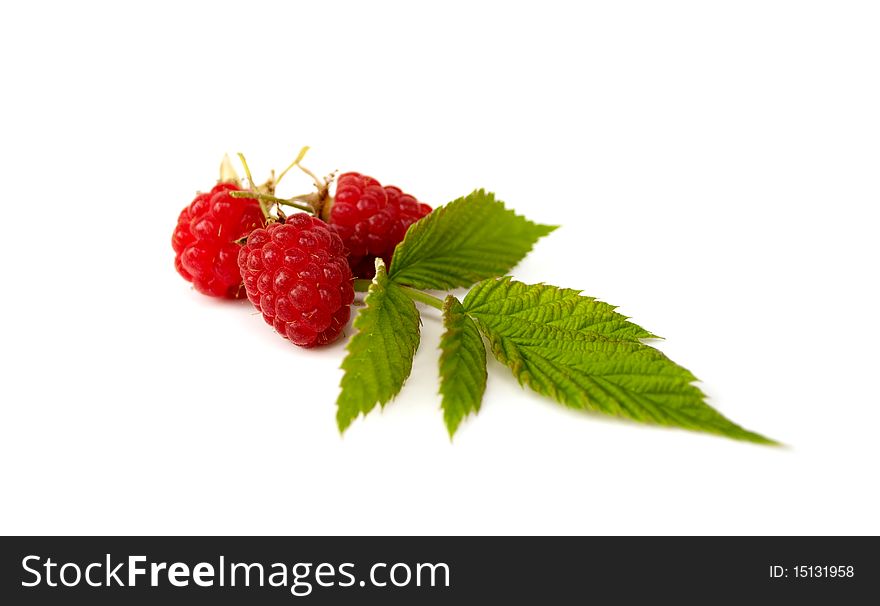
x=296, y=275
x=298, y=271
x=371, y=219
x=204, y=240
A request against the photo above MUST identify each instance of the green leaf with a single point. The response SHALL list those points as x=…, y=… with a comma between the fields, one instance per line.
x=590, y=361
x=380, y=354
x=525, y=306
x=463, y=242
x=462, y=365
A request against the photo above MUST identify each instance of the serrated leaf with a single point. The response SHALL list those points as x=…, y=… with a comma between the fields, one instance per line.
x=594, y=370
x=526, y=305
x=380, y=354
x=463, y=242
x=462, y=365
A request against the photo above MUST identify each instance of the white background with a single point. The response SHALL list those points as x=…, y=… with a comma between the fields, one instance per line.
x=715, y=170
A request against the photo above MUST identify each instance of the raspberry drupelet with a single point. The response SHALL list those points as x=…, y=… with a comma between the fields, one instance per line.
x=296, y=275
x=204, y=240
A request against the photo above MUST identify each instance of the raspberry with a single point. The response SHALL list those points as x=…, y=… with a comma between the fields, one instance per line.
x=204, y=240
x=370, y=219
x=296, y=274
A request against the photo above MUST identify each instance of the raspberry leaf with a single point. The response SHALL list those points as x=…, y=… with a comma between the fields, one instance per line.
x=468, y=240
x=380, y=354
x=588, y=363
x=462, y=365
x=528, y=305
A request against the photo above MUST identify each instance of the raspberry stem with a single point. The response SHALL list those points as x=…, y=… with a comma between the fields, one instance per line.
x=319, y=183
x=299, y=157
x=313, y=200
x=361, y=285
x=422, y=297
x=273, y=199
x=247, y=171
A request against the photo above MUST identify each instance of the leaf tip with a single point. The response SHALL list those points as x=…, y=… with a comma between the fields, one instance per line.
x=757, y=438
x=344, y=417
x=452, y=424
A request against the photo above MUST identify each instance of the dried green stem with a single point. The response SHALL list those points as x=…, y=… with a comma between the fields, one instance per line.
x=299, y=157
x=247, y=171
x=273, y=199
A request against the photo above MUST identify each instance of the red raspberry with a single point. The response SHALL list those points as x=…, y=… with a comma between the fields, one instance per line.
x=204, y=240
x=370, y=219
x=296, y=274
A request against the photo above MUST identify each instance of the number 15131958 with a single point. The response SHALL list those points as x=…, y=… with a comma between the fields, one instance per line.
x=812, y=571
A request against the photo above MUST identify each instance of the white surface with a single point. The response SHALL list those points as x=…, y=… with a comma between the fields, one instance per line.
x=715, y=168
